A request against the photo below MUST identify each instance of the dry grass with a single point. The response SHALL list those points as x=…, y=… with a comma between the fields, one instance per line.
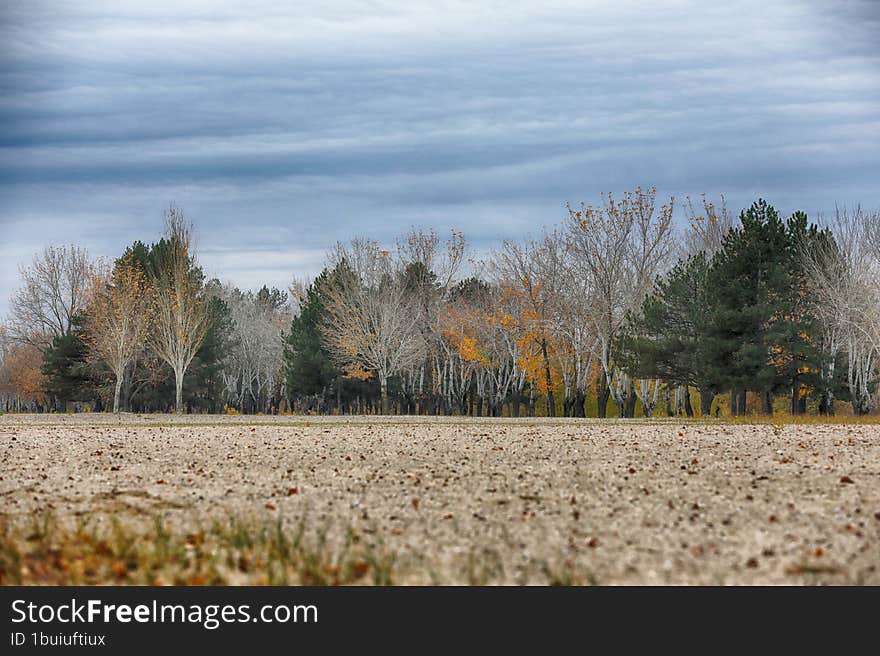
x=46, y=553
x=236, y=553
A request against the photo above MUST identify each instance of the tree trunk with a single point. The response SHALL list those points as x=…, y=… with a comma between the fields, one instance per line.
x=795, y=397
x=514, y=404
x=766, y=403
x=602, y=397
x=706, y=398
x=580, y=409
x=178, y=386
x=688, y=408
x=551, y=400
x=738, y=402
x=631, y=399
x=826, y=403
x=116, y=393
x=383, y=387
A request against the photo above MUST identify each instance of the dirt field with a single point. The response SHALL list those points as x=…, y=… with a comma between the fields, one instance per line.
x=445, y=501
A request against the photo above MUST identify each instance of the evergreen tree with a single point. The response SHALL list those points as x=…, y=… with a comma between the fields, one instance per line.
x=669, y=338
x=795, y=349
x=203, y=384
x=67, y=371
x=309, y=369
x=761, y=332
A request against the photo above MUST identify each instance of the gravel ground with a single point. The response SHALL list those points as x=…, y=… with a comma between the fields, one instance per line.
x=473, y=501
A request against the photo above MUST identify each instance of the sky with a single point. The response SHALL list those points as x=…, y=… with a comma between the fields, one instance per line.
x=281, y=128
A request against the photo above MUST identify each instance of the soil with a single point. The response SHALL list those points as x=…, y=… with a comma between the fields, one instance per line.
x=483, y=501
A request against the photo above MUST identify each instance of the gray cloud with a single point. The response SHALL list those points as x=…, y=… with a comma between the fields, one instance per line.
x=281, y=131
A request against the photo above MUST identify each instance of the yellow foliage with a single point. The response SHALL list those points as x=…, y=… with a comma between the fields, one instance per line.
x=466, y=347
x=356, y=373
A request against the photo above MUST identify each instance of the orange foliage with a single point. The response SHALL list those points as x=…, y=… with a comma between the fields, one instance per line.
x=117, y=325
x=26, y=377
x=356, y=373
x=531, y=334
x=466, y=346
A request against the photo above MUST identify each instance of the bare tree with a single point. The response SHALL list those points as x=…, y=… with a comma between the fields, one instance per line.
x=297, y=293
x=117, y=322
x=620, y=248
x=53, y=290
x=575, y=338
x=844, y=277
x=430, y=271
x=707, y=226
x=502, y=358
x=460, y=365
x=371, y=323
x=7, y=393
x=179, y=304
x=252, y=365
x=872, y=233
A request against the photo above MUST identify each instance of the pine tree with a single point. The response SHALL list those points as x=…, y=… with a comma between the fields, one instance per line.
x=66, y=370
x=761, y=332
x=309, y=369
x=795, y=349
x=669, y=338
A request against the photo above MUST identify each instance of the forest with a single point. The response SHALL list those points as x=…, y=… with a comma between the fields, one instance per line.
x=617, y=311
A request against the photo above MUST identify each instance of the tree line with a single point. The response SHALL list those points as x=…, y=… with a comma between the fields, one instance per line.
x=614, y=312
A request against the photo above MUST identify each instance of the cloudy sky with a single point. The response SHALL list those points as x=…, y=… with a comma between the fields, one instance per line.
x=281, y=130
